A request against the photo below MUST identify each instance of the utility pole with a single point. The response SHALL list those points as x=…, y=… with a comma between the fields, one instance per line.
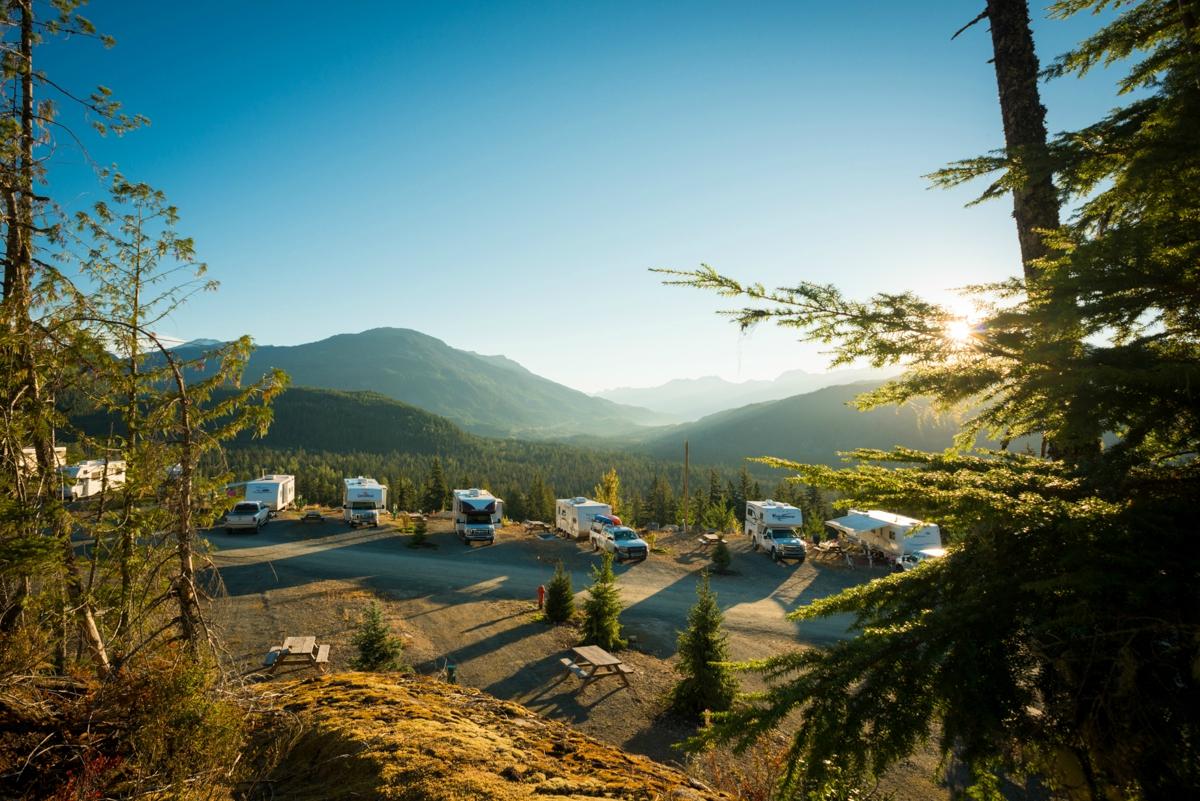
x=685, y=486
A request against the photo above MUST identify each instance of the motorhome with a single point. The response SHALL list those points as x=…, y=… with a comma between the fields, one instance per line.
x=89, y=478
x=573, y=516
x=477, y=513
x=362, y=500
x=278, y=492
x=775, y=527
x=886, y=533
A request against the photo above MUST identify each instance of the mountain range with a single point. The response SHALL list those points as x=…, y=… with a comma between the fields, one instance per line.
x=685, y=399
x=413, y=393
x=490, y=395
x=812, y=428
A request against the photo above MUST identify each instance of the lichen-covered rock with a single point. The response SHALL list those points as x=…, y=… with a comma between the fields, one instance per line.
x=361, y=735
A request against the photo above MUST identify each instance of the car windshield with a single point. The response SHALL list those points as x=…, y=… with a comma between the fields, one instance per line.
x=245, y=508
x=624, y=534
x=362, y=504
x=781, y=534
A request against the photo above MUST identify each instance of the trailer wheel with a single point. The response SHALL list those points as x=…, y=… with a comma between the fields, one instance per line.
x=774, y=555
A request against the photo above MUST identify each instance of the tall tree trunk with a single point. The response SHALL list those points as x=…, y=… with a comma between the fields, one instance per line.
x=1036, y=206
x=1035, y=202
x=22, y=358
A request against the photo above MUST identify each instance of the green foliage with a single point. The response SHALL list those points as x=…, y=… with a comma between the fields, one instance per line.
x=419, y=537
x=1060, y=634
x=609, y=491
x=721, y=558
x=707, y=681
x=437, y=492
x=560, y=597
x=378, y=649
x=718, y=517
x=602, y=609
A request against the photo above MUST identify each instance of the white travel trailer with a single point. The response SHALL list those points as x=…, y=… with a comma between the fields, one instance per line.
x=477, y=513
x=574, y=516
x=362, y=500
x=29, y=462
x=775, y=527
x=887, y=533
x=88, y=479
x=278, y=492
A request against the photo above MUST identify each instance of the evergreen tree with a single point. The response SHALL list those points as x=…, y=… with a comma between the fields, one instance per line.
x=716, y=494
x=560, y=597
x=721, y=558
x=541, y=499
x=602, y=609
x=378, y=649
x=744, y=490
x=661, y=502
x=1056, y=637
x=436, y=491
x=707, y=681
x=609, y=491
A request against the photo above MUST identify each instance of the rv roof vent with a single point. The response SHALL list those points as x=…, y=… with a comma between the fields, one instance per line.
x=581, y=499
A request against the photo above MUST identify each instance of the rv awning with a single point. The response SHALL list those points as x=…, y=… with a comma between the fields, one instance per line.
x=853, y=524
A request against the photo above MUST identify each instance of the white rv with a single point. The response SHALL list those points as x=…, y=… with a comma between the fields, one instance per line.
x=88, y=479
x=29, y=461
x=362, y=500
x=573, y=516
x=477, y=513
x=775, y=527
x=276, y=491
x=887, y=533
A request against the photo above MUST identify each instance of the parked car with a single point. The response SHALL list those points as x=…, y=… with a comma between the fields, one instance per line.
x=247, y=514
x=312, y=516
x=622, y=542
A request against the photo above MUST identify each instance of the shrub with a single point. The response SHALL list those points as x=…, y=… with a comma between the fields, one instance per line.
x=378, y=649
x=707, y=682
x=560, y=597
x=602, y=609
x=721, y=558
x=418, y=534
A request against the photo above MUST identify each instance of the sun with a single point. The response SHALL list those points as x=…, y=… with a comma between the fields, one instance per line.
x=959, y=330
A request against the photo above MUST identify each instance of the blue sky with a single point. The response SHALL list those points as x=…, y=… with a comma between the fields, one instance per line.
x=502, y=174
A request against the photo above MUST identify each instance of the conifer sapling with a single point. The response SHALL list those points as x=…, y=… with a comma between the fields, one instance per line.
x=707, y=681
x=602, y=609
x=378, y=649
x=560, y=597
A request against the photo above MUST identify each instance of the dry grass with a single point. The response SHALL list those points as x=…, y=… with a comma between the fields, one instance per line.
x=359, y=735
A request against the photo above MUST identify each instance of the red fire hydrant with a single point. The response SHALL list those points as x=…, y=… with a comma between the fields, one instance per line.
x=541, y=595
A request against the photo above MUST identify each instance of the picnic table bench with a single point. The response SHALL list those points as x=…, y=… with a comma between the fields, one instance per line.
x=302, y=651
x=535, y=525
x=708, y=540
x=592, y=663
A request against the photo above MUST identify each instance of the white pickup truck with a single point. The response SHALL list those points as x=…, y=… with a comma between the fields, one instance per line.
x=622, y=542
x=247, y=514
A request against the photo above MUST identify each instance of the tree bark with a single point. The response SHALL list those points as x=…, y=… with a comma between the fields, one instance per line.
x=1035, y=201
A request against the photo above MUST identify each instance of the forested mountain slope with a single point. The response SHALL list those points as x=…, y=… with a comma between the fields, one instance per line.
x=486, y=394
x=807, y=428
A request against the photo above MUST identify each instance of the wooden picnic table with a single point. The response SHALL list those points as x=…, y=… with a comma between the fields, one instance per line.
x=592, y=663
x=707, y=540
x=303, y=651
